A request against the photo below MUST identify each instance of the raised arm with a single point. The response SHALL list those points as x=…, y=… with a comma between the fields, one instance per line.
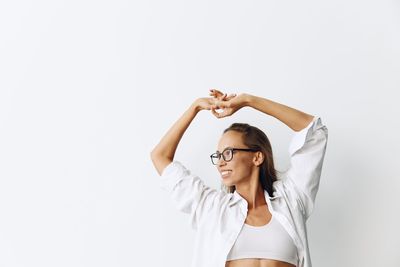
x=188, y=191
x=293, y=118
x=307, y=148
x=163, y=153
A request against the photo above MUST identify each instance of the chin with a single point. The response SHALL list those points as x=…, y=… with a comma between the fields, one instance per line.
x=227, y=183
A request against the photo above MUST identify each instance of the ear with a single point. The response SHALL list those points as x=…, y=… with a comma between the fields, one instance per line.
x=258, y=158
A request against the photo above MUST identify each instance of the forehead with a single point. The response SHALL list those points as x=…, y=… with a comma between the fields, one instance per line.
x=230, y=139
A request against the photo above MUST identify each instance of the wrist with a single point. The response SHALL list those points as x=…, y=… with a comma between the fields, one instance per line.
x=247, y=100
x=194, y=108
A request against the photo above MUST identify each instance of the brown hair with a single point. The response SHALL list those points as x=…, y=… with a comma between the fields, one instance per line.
x=256, y=139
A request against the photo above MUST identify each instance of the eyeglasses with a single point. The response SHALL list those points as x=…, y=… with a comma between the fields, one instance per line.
x=227, y=154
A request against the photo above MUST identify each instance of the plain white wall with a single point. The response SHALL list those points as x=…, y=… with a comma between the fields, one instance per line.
x=88, y=88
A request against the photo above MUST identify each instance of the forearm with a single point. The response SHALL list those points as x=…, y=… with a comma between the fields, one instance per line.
x=164, y=152
x=293, y=118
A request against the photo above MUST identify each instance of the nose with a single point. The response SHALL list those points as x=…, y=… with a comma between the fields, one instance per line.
x=221, y=162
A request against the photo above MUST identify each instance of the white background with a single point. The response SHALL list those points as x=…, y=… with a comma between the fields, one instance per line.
x=88, y=88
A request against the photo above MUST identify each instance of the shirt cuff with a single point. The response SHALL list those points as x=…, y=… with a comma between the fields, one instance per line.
x=300, y=137
x=171, y=174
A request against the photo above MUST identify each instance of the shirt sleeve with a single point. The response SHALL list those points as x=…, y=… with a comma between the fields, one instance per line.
x=189, y=192
x=307, y=152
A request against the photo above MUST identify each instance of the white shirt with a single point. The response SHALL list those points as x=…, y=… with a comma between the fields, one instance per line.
x=218, y=216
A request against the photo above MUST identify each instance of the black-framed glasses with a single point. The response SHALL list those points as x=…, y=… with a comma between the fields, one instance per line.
x=227, y=154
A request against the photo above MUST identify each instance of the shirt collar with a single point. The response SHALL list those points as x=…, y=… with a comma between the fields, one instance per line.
x=238, y=198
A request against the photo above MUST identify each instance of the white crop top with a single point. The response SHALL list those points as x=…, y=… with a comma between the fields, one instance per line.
x=270, y=241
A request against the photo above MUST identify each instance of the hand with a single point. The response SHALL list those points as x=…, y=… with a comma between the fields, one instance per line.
x=209, y=102
x=220, y=96
x=229, y=104
x=204, y=103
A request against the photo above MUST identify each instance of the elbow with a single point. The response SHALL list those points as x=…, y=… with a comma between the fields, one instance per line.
x=160, y=161
x=156, y=152
x=156, y=155
x=152, y=154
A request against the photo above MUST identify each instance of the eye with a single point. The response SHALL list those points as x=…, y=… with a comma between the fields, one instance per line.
x=227, y=153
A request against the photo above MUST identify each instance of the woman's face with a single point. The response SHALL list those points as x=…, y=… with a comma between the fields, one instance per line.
x=240, y=168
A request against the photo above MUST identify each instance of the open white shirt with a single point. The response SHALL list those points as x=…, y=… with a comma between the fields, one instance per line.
x=218, y=216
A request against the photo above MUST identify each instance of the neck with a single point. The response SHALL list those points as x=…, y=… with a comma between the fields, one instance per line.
x=253, y=193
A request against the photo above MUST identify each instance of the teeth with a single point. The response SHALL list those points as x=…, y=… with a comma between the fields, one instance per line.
x=225, y=172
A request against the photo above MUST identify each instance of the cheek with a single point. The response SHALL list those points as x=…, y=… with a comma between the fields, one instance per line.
x=243, y=172
x=241, y=168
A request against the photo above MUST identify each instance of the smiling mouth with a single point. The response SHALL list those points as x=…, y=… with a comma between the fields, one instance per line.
x=225, y=174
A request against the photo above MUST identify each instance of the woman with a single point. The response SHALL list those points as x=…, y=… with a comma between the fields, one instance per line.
x=258, y=220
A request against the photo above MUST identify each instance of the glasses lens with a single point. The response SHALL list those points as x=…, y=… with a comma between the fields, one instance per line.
x=214, y=158
x=228, y=154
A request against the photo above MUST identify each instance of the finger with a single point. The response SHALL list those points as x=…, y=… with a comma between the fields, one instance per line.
x=215, y=95
x=216, y=114
x=219, y=115
x=219, y=103
x=222, y=104
x=216, y=92
x=212, y=92
x=230, y=97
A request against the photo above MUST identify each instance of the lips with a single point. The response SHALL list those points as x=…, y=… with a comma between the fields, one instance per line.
x=225, y=173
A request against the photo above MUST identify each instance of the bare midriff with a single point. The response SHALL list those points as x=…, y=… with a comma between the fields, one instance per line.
x=257, y=263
